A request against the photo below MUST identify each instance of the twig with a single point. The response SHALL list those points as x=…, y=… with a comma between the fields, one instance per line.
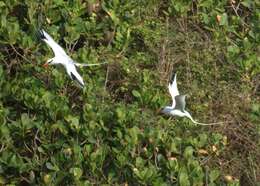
x=106, y=78
x=36, y=138
x=2, y=148
x=20, y=54
x=74, y=45
x=27, y=147
x=207, y=175
x=235, y=10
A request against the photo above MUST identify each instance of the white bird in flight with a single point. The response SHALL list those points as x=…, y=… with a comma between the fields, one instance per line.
x=60, y=57
x=178, y=104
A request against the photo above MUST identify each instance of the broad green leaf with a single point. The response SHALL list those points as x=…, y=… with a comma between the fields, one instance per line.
x=247, y=3
x=76, y=172
x=51, y=166
x=233, y=49
x=2, y=4
x=224, y=19
x=188, y=152
x=183, y=177
x=136, y=93
x=213, y=175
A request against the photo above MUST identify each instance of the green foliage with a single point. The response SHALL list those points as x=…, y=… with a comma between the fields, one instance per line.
x=109, y=133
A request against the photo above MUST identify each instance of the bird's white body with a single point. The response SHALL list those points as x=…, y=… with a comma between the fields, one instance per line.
x=178, y=104
x=62, y=58
x=176, y=112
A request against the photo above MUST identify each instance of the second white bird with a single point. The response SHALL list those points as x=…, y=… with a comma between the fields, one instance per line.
x=178, y=104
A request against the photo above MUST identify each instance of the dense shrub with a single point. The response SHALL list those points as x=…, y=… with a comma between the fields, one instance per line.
x=54, y=133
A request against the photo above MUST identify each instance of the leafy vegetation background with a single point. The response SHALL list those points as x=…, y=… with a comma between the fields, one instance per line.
x=109, y=133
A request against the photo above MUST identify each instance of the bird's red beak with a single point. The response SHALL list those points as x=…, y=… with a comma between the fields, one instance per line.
x=45, y=65
x=159, y=111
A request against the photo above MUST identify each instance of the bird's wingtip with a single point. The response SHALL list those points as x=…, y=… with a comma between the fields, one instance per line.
x=81, y=83
x=41, y=34
x=174, y=75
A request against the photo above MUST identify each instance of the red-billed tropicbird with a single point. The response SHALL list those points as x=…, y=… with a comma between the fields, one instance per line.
x=178, y=104
x=60, y=57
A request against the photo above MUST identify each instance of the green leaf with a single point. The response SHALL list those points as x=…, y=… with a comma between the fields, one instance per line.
x=183, y=177
x=41, y=150
x=233, y=49
x=255, y=108
x=2, y=180
x=120, y=113
x=202, y=140
x=213, y=175
x=247, y=3
x=136, y=93
x=73, y=122
x=60, y=127
x=25, y=120
x=139, y=162
x=76, y=172
x=2, y=4
x=119, y=134
x=134, y=134
x=224, y=19
x=188, y=152
x=50, y=166
x=173, y=164
x=47, y=179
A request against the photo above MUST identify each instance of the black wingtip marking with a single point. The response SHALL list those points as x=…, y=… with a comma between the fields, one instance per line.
x=41, y=34
x=75, y=79
x=173, y=76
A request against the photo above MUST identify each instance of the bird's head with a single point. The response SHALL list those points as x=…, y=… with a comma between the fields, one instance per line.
x=49, y=62
x=165, y=110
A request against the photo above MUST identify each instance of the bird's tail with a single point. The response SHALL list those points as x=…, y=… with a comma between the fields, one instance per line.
x=198, y=123
x=87, y=65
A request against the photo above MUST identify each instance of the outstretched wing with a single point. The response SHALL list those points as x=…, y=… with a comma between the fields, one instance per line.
x=87, y=65
x=56, y=48
x=173, y=89
x=180, y=102
x=78, y=78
